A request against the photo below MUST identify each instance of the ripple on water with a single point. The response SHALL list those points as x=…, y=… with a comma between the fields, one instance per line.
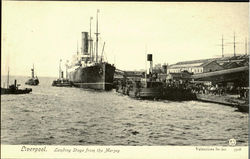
x=71, y=116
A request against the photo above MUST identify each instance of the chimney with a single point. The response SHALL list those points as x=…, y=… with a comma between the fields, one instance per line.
x=15, y=83
x=85, y=43
x=165, y=68
x=150, y=58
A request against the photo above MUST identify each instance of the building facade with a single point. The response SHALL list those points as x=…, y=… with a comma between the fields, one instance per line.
x=195, y=67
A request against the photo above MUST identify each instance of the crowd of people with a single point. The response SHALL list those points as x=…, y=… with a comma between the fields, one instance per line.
x=199, y=87
x=212, y=89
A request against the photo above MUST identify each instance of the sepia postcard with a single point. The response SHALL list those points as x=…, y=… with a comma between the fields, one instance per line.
x=122, y=80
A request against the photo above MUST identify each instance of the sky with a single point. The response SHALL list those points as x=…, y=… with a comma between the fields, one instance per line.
x=42, y=33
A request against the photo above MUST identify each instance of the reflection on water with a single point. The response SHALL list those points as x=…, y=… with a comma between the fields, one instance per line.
x=73, y=116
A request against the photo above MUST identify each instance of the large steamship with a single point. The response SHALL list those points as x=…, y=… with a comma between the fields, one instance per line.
x=88, y=69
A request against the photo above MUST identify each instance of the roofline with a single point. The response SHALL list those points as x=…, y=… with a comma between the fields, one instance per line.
x=215, y=73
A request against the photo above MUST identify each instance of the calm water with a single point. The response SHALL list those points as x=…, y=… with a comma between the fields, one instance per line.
x=73, y=116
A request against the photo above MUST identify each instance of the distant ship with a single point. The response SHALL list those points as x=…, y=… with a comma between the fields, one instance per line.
x=33, y=80
x=88, y=70
x=61, y=82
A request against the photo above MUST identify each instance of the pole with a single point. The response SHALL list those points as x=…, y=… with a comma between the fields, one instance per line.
x=93, y=52
x=146, y=67
x=15, y=83
x=104, y=70
x=60, y=69
x=234, y=45
x=222, y=44
x=97, y=35
x=8, y=78
x=246, y=46
x=90, y=40
x=77, y=51
x=102, y=51
x=151, y=67
x=66, y=71
x=32, y=72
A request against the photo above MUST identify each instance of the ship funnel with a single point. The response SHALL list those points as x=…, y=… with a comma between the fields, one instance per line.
x=150, y=58
x=165, y=67
x=62, y=74
x=32, y=72
x=85, y=43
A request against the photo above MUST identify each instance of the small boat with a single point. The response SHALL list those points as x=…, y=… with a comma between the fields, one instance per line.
x=62, y=82
x=33, y=80
x=14, y=90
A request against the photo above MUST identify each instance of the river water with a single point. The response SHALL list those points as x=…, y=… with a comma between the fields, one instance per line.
x=74, y=116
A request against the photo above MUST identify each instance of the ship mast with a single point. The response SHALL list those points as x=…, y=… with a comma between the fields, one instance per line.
x=222, y=44
x=60, y=69
x=246, y=46
x=234, y=45
x=146, y=50
x=32, y=72
x=97, y=35
x=102, y=51
x=77, y=51
x=66, y=69
x=90, y=41
x=8, y=78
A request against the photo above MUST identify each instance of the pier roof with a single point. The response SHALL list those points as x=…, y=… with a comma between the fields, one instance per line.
x=204, y=62
x=221, y=72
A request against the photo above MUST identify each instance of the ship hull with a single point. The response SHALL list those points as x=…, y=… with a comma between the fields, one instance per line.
x=32, y=82
x=99, y=77
x=15, y=91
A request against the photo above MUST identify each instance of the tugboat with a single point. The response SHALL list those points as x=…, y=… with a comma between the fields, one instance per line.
x=13, y=89
x=148, y=87
x=33, y=80
x=61, y=82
